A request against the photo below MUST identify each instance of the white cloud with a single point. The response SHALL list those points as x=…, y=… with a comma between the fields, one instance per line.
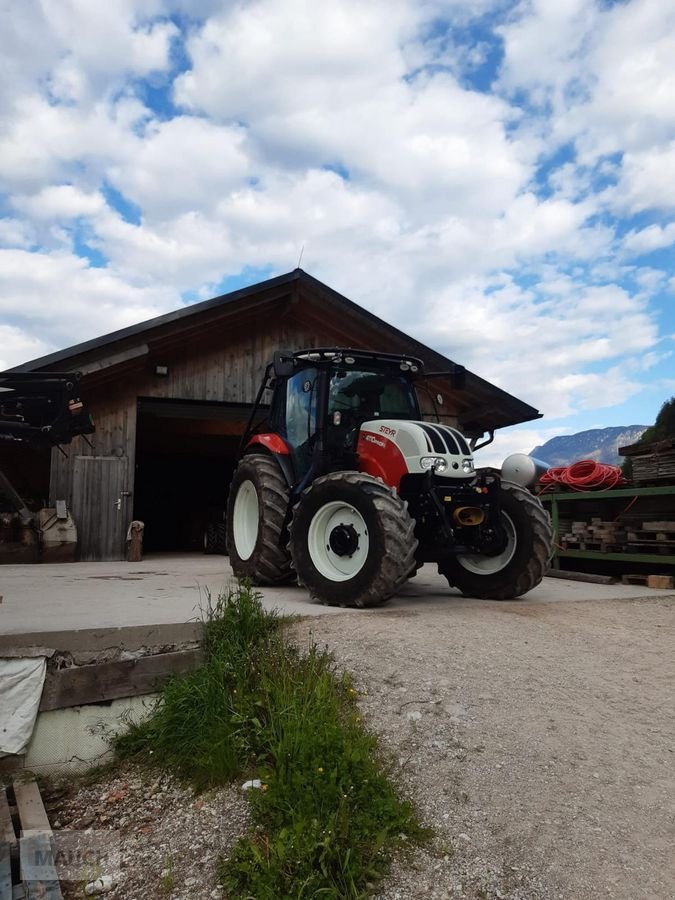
x=63, y=201
x=351, y=129
x=15, y=233
x=187, y=163
x=647, y=180
x=18, y=345
x=58, y=300
x=654, y=237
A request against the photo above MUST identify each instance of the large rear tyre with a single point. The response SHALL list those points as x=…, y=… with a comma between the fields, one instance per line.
x=523, y=562
x=256, y=515
x=352, y=540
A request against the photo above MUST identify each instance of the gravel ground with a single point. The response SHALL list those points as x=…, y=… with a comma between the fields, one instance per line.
x=538, y=739
x=170, y=839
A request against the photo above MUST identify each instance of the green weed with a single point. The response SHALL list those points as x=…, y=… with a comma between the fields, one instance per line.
x=327, y=817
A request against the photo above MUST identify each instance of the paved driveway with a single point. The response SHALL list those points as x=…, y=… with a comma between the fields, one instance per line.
x=167, y=589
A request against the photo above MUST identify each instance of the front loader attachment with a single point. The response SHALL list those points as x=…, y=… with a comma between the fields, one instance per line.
x=42, y=409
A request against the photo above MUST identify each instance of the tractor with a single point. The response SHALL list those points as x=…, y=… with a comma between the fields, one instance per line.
x=341, y=485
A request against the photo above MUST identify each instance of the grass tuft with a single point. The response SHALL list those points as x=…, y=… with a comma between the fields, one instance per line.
x=327, y=817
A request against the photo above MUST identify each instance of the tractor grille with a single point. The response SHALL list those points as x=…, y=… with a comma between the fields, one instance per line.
x=443, y=439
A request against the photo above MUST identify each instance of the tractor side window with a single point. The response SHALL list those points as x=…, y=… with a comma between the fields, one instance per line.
x=301, y=407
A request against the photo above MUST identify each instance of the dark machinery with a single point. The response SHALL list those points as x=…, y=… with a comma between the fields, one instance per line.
x=39, y=409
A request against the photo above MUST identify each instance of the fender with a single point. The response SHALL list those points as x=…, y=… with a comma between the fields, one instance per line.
x=271, y=442
x=379, y=456
x=277, y=447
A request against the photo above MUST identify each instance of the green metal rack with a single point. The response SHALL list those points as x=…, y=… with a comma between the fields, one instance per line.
x=554, y=500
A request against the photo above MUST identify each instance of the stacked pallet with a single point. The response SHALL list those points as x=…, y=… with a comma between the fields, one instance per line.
x=653, y=537
x=607, y=537
x=618, y=537
x=652, y=463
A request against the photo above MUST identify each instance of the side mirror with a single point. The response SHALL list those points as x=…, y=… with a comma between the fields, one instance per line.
x=282, y=362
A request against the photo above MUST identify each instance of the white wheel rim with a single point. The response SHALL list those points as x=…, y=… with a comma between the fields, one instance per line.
x=491, y=565
x=245, y=519
x=327, y=562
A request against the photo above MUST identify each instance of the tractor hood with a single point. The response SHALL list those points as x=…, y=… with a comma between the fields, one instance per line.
x=393, y=447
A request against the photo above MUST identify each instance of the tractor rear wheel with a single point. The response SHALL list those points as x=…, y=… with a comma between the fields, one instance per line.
x=352, y=540
x=523, y=562
x=256, y=516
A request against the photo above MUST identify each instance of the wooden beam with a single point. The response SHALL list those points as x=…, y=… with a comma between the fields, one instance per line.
x=29, y=805
x=35, y=843
x=116, y=359
x=97, y=683
x=37, y=859
x=5, y=873
x=7, y=835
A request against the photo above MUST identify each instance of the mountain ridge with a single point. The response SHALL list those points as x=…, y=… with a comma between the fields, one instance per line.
x=600, y=444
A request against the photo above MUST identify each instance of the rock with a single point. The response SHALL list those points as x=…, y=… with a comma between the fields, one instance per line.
x=101, y=885
x=414, y=715
x=253, y=783
x=463, y=836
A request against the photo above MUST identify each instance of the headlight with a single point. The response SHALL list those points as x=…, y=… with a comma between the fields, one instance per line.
x=467, y=466
x=434, y=462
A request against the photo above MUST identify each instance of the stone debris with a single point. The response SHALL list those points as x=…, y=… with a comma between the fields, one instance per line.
x=170, y=839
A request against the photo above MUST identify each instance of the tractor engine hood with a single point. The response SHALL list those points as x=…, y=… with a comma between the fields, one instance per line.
x=391, y=448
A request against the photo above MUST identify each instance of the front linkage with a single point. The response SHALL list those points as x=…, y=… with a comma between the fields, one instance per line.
x=452, y=519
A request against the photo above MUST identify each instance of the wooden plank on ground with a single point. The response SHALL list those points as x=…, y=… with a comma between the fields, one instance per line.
x=7, y=835
x=589, y=577
x=38, y=871
x=663, y=582
x=5, y=873
x=79, y=685
x=29, y=805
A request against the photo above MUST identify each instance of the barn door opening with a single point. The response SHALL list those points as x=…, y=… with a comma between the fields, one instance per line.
x=101, y=506
x=186, y=451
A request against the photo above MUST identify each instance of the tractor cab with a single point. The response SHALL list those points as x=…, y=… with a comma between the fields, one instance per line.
x=324, y=398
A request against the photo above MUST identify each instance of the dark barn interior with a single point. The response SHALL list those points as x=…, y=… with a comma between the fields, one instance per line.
x=186, y=452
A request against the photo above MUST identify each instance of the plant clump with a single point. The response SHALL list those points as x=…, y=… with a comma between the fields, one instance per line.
x=326, y=816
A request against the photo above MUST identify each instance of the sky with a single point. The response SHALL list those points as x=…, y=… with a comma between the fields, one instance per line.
x=495, y=178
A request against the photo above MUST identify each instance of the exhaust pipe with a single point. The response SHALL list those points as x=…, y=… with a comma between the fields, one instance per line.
x=468, y=515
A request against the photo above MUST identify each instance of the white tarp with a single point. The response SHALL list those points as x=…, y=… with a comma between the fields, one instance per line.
x=21, y=683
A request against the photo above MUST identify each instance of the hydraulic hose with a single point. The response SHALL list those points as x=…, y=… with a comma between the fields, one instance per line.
x=585, y=475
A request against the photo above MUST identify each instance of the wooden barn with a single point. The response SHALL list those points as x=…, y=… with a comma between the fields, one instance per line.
x=171, y=397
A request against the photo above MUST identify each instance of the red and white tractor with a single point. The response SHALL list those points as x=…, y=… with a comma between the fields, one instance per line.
x=342, y=485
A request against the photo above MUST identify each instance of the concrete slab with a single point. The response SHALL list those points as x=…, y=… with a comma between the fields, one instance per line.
x=174, y=589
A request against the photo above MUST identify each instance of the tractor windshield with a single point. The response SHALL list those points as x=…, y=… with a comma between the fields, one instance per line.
x=371, y=394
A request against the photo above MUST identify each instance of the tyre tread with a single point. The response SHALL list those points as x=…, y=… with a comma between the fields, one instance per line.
x=271, y=563
x=399, y=533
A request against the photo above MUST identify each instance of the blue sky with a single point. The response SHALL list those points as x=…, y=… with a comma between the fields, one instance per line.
x=496, y=178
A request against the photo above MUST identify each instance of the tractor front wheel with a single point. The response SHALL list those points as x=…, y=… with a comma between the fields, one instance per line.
x=256, y=516
x=352, y=540
x=522, y=563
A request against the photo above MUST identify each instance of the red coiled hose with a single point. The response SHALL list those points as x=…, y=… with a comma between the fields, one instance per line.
x=585, y=475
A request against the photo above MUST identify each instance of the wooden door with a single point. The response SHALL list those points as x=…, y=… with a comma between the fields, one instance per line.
x=101, y=506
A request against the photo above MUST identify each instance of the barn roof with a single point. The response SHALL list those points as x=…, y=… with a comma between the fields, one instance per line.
x=486, y=405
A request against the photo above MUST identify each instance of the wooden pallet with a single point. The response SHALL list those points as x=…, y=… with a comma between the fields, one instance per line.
x=631, y=536
x=24, y=832
x=664, y=582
